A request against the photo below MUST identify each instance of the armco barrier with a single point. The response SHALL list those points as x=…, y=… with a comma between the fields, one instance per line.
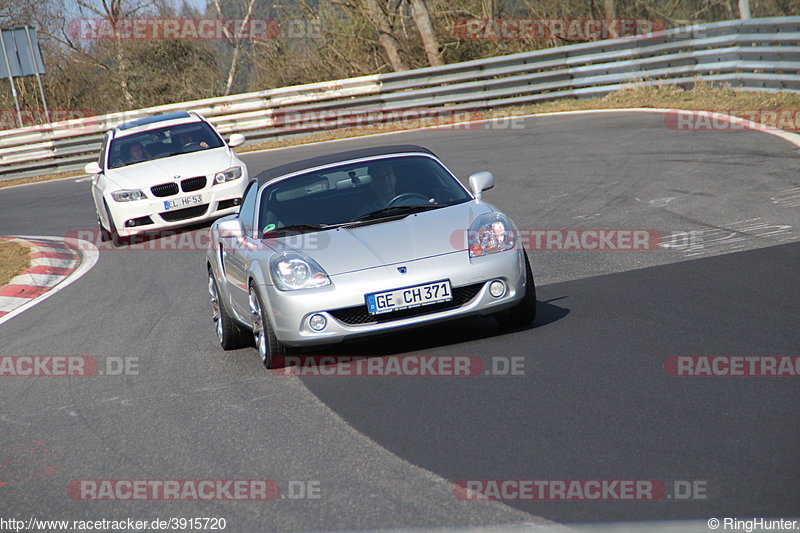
x=757, y=54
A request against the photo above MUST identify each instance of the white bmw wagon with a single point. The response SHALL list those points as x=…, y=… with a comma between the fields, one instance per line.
x=165, y=171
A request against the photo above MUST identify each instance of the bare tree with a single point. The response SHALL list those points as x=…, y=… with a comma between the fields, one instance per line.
x=114, y=11
x=609, y=9
x=236, y=44
x=386, y=37
x=422, y=19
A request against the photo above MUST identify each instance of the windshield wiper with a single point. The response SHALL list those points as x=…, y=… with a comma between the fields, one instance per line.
x=396, y=211
x=297, y=229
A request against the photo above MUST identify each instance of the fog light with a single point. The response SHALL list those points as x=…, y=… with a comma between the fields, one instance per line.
x=497, y=288
x=317, y=322
x=141, y=221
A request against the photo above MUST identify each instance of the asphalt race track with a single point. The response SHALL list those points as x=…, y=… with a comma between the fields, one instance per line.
x=594, y=400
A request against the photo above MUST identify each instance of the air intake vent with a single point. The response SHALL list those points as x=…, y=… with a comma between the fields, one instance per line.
x=165, y=189
x=183, y=214
x=193, y=184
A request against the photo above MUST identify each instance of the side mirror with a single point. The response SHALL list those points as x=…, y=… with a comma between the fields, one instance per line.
x=92, y=168
x=231, y=229
x=481, y=181
x=236, y=140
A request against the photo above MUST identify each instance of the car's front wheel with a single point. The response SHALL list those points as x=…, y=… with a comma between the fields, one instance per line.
x=524, y=312
x=230, y=335
x=268, y=346
x=105, y=235
x=115, y=237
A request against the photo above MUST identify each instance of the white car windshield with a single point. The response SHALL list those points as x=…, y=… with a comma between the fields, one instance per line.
x=361, y=191
x=162, y=142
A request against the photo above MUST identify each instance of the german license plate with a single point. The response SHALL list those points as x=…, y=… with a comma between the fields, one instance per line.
x=186, y=201
x=407, y=297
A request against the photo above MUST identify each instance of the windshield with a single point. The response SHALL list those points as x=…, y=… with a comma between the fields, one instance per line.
x=366, y=190
x=162, y=142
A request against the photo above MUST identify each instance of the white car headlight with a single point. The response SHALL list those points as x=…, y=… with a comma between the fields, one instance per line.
x=128, y=196
x=293, y=271
x=489, y=234
x=233, y=173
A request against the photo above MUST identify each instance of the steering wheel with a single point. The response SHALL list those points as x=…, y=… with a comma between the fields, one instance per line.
x=191, y=144
x=405, y=196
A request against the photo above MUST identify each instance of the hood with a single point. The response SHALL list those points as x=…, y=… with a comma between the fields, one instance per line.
x=149, y=173
x=416, y=236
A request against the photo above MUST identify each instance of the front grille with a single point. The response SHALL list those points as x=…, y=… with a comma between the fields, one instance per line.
x=183, y=214
x=360, y=314
x=193, y=184
x=165, y=189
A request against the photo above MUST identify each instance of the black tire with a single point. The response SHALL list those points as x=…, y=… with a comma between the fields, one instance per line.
x=116, y=240
x=268, y=346
x=524, y=312
x=105, y=235
x=229, y=334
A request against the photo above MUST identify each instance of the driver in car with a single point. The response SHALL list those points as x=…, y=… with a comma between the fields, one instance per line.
x=384, y=193
x=186, y=139
x=384, y=183
x=135, y=153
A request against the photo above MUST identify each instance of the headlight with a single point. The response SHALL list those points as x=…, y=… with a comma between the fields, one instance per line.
x=128, y=196
x=491, y=233
x=231, y=174
x=293, y=271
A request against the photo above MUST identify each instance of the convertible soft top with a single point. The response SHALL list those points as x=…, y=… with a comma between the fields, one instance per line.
x=328, y=159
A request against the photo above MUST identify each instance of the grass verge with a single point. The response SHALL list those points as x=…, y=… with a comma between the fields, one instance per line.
x=14, y=258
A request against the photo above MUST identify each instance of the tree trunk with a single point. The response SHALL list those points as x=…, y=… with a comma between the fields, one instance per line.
x=744, y=9
x=385, y=36
x=423, y=21
x=122, y=71
x=610, y=12
x=609, y=9
x=234, y=42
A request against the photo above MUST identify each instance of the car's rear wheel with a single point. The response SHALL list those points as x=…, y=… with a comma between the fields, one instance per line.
x=268, y=346
x=230, y=335
x=524, y=312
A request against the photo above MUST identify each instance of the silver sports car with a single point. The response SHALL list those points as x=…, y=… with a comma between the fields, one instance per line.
x=360, y=243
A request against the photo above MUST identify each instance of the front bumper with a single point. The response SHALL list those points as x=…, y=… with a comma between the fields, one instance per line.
x=215, y=201
x=343, y=305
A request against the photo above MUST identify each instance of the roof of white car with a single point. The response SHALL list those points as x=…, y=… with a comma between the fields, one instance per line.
x=155, y=121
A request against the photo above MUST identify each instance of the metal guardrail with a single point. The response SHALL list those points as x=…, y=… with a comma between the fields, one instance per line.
x=755, y=54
